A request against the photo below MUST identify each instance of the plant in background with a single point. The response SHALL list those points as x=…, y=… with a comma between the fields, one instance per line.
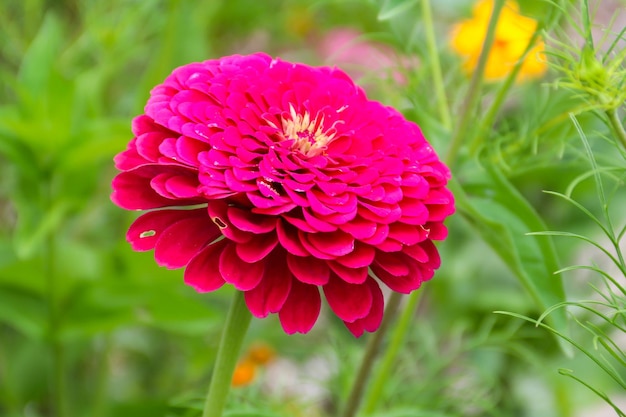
x=513, y=34
x=598, y=77
x=282, y=179
x=595, y=71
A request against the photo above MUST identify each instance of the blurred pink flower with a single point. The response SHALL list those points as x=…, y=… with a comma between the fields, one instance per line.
x=359, y=57
x=281, y=179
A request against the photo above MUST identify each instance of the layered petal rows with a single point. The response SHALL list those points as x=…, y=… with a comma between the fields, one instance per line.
x=286, y=182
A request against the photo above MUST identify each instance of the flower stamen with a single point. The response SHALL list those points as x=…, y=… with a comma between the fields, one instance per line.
x=308, y=134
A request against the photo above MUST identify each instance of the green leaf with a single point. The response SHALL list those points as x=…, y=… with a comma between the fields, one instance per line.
x=503, y=218
x=24, y=311
x=40, y=57
x=34, y=226
x=392, y=8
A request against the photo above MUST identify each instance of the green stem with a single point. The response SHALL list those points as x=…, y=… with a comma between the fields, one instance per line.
x=501, y=95
x=433, y=58
x=617, y=126
x=235, y=328
x=391, y=353
x=473, y=94
x=369, y=356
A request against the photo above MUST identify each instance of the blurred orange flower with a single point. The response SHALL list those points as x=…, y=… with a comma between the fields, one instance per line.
x=513, y=32
x=258, y=354
x=244, y=373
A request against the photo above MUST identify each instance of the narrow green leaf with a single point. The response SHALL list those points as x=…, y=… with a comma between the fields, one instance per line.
x=503, y=218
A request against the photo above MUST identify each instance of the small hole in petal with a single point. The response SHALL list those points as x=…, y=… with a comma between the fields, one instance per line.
x=147, y=233
x=219, y=222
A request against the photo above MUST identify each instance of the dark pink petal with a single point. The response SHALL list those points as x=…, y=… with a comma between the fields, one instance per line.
x=348, y=301
x=394, y=263
x=308, y=269
x=181, y=186
x=244, y=276
x=147, y=229
x=352, y=275
x=363, y=255
x=289, y=239
x=436, y=231
x=132, y=189
x=257, y=248
x=218, y=211
x=270, y=294
x=402, y=283
x=371, y=322
x=318, y=224
x=202, y=273
x=407, y=234
x=360, y=228
x=301, y=309
x=183, y=240
x=335, y=243
x=130, y=158
x=250, y=222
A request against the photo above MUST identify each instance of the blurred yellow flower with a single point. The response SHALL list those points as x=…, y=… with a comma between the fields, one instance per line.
x=513, y=32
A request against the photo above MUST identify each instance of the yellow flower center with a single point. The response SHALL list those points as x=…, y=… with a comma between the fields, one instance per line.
x=308, y=134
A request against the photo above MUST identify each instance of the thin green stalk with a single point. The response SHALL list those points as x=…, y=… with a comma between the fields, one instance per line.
x=371, y=351
x=391, y=354
x=433, y=58
x=617, y=126
x=501, y=94
x=235, y=328
x=473, y=94
x=100, y=400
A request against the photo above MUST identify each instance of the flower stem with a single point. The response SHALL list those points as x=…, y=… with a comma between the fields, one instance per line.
x=235, y=328
x=617, y=126
x=433, y=58
x=473, y=94
x=369, y=357
x=391, y=353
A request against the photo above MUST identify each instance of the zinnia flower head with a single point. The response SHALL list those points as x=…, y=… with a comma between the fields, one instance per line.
x=513, y=33
x=282, y=180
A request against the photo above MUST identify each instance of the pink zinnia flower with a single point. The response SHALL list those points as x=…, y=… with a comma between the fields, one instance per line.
x=283, y=179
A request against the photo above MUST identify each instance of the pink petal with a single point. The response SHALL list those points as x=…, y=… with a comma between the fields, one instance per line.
x=182, y=186
x=348, y=301
x=257, y=248
x=359, y=228
x=301, y=309
x=244, y=276
x=351, y=275
x=289, y=239
x=308, y=269
x=270, y=294
x=202, y=273
x=132, y=189
x=394, y=263
x=183, y=240
x=250, y=222
x=218, y=210
x=334, y=243
x=371, y=322
x=146, y=230
x=402, y=283
x=362, y=255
